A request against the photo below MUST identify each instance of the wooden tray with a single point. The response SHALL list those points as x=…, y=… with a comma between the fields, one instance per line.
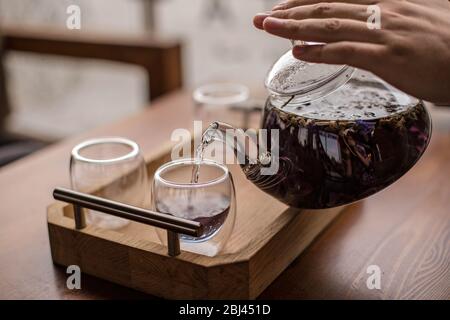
x=267, y=237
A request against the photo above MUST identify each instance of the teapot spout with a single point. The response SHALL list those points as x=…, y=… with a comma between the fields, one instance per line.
x=262, y=167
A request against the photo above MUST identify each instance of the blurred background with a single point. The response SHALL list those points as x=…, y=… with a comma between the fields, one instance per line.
x=51, y=96
x=60, y=82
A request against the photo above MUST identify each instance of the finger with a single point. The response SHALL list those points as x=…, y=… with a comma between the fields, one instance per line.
x=323, y=30
x=296, y=3
x=361, y=55
x=324, y=10
x=259, y=18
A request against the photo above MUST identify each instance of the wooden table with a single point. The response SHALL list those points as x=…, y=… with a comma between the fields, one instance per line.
x=405, y=229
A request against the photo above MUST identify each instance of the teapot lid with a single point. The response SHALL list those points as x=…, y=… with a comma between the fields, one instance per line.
x=306, y=81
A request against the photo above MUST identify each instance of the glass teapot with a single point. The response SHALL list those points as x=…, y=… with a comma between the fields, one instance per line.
x=335, y=134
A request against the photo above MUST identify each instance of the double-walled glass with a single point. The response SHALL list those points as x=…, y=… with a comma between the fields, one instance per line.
x=211, y=201
x=227, y=102
x=111, y=168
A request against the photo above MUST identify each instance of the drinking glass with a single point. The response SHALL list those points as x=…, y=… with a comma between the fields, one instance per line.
x=111, y=168
x=211, y=201
x=227, y=102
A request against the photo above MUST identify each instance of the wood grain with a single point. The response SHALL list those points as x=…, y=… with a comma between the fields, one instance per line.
x=403, y=229
x=134, y=257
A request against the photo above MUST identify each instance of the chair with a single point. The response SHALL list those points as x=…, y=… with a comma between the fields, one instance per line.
x=160, y=58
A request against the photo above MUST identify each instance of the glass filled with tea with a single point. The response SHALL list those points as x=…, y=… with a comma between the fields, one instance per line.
x=198, y=190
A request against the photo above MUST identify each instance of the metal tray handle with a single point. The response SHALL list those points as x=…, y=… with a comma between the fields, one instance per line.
x=172, y=224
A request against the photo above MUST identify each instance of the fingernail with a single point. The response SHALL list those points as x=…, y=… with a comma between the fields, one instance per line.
x=259, y=18
x=263, y=14
x=273, y=23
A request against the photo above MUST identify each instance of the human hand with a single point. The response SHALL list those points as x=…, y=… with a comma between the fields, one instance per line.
x=411, y=50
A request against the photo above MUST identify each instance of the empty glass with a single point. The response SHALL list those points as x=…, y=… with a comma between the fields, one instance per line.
x=210, y=201
x=111, y=168
x=227, y=102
